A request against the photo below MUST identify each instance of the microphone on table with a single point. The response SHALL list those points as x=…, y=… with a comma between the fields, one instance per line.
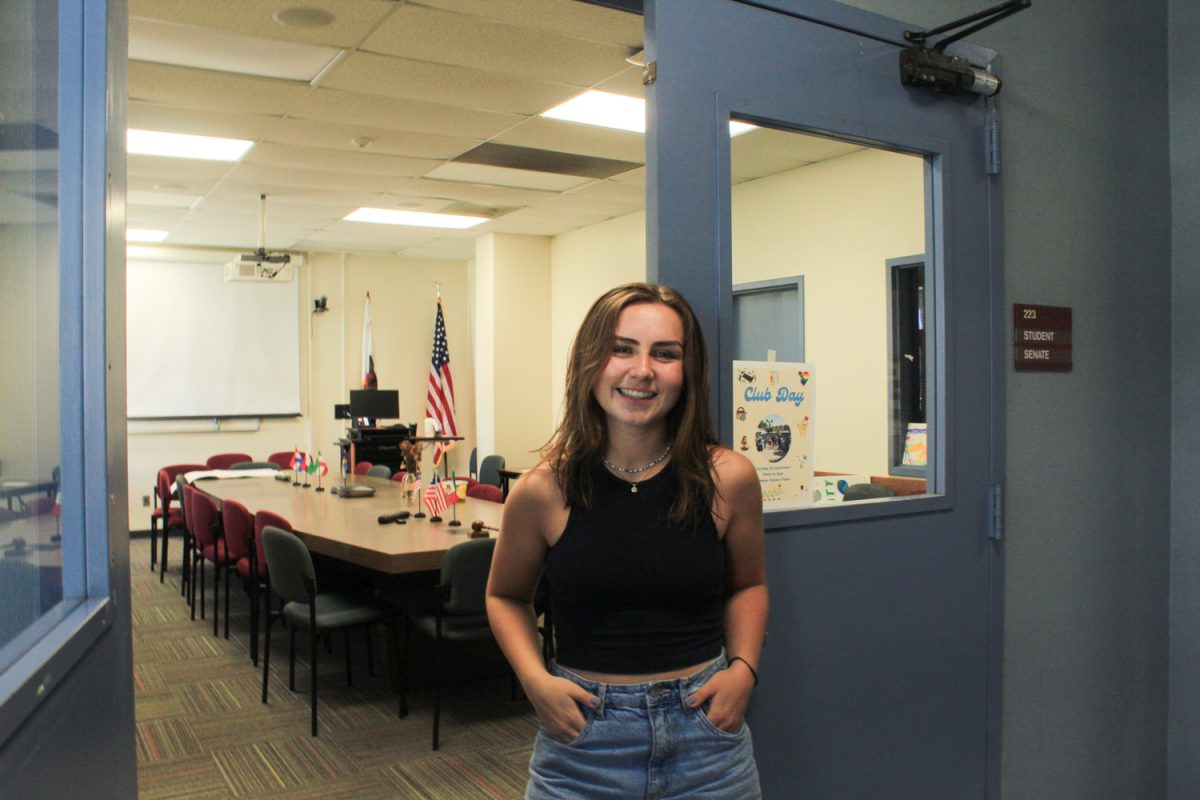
x=400, y=517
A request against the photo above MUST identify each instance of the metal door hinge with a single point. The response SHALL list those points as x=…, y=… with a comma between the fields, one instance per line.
x=649, y=73
x=995, y=513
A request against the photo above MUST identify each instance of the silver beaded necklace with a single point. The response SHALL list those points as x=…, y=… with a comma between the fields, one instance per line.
x=635, y=470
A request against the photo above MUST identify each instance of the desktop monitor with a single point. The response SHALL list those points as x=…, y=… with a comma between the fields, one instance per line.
x=374, y=404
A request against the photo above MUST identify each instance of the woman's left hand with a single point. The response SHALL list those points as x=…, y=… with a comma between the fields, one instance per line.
x=727, y=693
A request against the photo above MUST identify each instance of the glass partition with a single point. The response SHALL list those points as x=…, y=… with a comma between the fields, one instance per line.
x=839, y=219
x=31, y=574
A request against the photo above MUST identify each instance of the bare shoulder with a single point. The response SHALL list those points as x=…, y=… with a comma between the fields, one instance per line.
x=535, y=506
x=737, y=505
x=536, y=489
x=732, y=471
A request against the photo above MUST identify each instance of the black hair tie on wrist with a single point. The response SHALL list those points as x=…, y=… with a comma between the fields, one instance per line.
x=753, y=672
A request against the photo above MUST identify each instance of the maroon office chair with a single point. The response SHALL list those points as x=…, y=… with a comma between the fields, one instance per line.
x=283, y=458
x=227, y=460
x=485, y=491
x=362, y=467
x=205, y=524
x=238, y=524
x=164, y=512
x=258, y=573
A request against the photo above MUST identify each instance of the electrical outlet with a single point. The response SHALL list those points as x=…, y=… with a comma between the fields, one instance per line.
x=145, y=501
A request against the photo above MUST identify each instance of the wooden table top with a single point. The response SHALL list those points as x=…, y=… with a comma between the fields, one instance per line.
x=349, y=528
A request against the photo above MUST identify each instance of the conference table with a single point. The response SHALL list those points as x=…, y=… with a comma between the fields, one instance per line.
x=348, y=528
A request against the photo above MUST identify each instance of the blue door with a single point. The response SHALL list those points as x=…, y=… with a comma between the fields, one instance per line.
x=881, y=670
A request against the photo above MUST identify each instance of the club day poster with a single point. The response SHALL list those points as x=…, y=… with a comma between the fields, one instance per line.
x=773, y=411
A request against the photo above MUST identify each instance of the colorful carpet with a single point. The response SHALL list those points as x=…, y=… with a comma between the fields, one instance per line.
x=203, y=732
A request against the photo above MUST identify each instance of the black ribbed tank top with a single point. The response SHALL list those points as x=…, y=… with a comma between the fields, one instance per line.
x=630, y=593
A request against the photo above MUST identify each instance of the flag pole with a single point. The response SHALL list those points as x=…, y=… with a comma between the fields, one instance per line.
x=454, y=523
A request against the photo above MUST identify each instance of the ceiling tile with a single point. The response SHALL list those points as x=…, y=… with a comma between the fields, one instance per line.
x=182, y=87
x=341, y=161
x=441, y=83
x=172, y=170
x=287, y=181
x=628, y=83
x=352, y=19
x=153, y=217
x=135, y=197
x=577, y=217
x=567, y=137
x=442, y=37
x=383, y=141
x=357, y=107
x=154, y=117
x=503, y=176
x=442, y=250
x=153, y=181
x=212, y=49
x=636, y=177
x=563, y=16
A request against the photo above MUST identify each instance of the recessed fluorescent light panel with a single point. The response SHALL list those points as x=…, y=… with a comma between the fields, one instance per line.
x=144, y=235
x=617, y=111
x=416, y=219
x=603, y=109
x=182, y=145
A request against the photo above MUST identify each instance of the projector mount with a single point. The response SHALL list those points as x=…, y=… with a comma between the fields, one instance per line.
x=261, y=256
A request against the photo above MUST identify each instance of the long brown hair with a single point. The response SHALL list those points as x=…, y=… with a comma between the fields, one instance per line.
x=579, y=443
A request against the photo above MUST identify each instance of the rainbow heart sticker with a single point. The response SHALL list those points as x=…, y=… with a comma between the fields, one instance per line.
x=803, y=377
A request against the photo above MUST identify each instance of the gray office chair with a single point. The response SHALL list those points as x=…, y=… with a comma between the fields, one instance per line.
x=489, y=470
x=254, y=465
x=291, y=575
x=380, y=471
x=866, y=491
x=460, y=615
x=473, y=464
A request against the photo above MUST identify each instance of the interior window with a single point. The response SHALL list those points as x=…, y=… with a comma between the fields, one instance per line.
x=31, y=575
x=831, y=217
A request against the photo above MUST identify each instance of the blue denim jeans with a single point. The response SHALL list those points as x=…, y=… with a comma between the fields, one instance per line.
x=644, y=742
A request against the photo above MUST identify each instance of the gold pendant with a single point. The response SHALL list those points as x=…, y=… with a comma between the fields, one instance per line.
x=633, y=488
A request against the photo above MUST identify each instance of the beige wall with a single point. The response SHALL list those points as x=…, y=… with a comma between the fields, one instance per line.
x=403, y=294
x=519, y=270
x=587, y=263
x=837, y=223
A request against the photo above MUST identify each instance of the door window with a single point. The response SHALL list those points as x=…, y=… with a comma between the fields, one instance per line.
x=835, y=212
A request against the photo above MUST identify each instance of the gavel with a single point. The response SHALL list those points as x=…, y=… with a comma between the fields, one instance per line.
x=479, y=530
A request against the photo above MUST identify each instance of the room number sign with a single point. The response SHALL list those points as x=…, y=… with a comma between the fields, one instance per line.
x=1041, y=338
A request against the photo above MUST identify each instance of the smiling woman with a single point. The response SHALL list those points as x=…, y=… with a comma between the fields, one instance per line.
x=651, y=539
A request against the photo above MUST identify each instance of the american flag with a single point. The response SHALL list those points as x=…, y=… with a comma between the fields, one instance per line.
x=439, y=399
x=439, y=496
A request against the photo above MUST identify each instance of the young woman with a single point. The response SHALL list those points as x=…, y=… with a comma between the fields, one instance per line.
x=651, y=539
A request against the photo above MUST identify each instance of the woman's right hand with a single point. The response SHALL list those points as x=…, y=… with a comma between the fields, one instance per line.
x=557, y=703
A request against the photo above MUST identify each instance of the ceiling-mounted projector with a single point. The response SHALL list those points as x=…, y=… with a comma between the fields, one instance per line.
x=260, y=265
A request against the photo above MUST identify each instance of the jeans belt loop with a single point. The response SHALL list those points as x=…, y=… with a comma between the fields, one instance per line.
x=602, y=693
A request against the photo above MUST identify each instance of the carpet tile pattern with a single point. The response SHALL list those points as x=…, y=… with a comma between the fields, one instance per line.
x=203, y=732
